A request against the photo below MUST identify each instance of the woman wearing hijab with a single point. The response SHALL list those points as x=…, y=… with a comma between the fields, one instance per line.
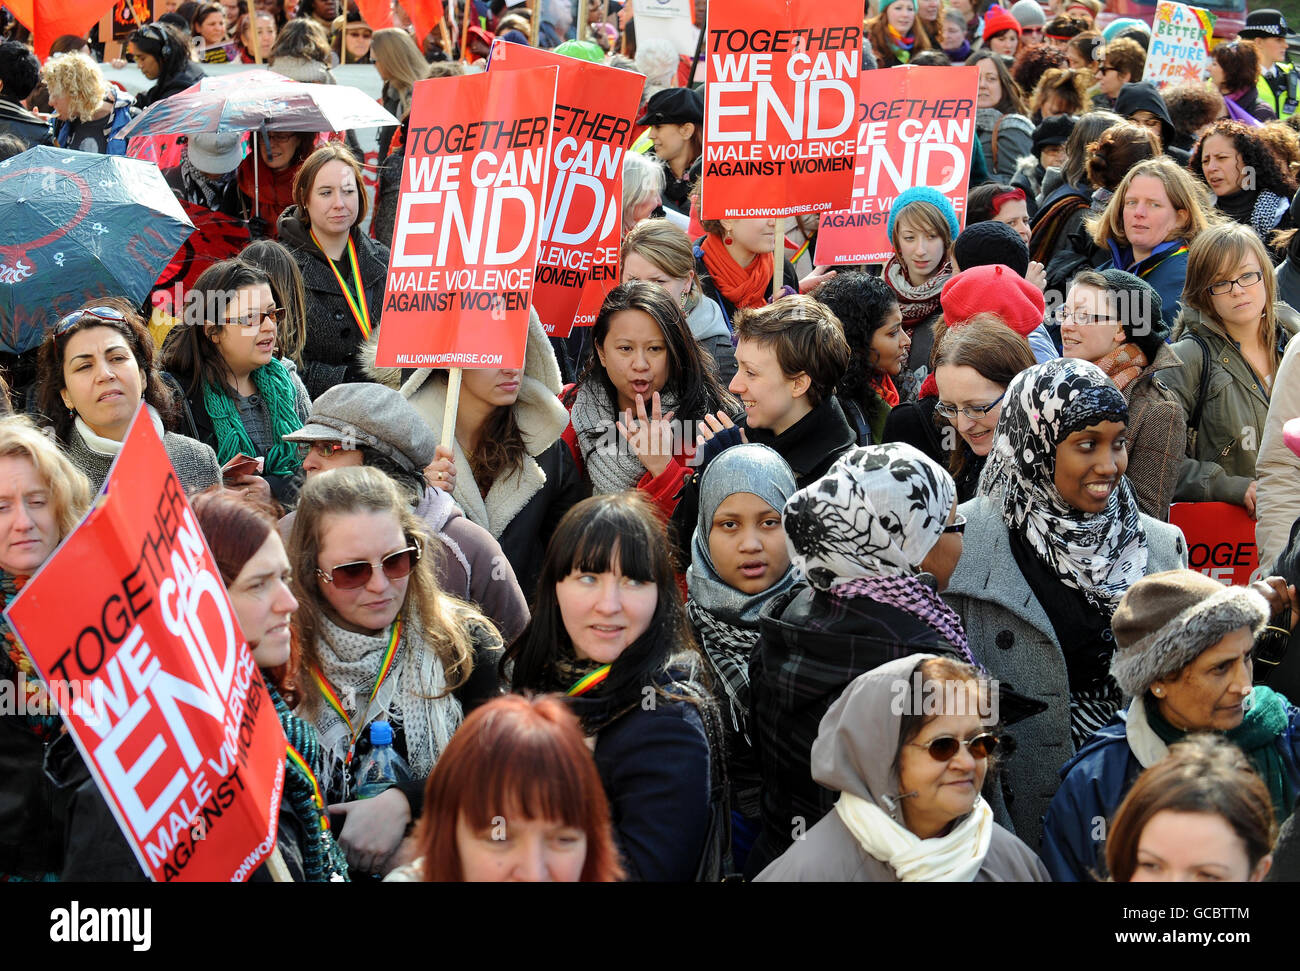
x=1054, y=539
x=873, y=750
x=739, y=562
x=1184, y=646
x=863, y=536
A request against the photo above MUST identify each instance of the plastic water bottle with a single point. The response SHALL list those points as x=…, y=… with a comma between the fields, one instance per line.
x=382, y=767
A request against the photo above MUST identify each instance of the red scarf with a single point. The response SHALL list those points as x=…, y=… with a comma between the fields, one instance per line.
x=743, y=286
x=884, y=386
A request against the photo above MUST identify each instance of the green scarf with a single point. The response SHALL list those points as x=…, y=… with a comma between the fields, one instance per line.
x=1256, y=736
x=276, y=388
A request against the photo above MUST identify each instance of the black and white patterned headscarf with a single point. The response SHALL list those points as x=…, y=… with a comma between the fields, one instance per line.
x=1101, y=555
x=876, y=513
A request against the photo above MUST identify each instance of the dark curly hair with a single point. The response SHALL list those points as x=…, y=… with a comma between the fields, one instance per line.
x=1254, y=152
x=1240, y=62
x=861, y=302
x=1192, y=107
x=20, y=71
x=1033, y=62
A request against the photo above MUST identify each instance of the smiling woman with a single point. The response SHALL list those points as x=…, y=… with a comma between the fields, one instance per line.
x=1055, y=527
x=94, y=369
x=1184, y=654
x=239, y=398
x=907, y=746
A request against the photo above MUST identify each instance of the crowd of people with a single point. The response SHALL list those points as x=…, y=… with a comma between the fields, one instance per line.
x=851, y=574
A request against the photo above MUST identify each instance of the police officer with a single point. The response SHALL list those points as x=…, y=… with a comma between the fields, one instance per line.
x=1278, y=81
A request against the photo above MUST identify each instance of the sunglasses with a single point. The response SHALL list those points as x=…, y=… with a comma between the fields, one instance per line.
x=254, y=320
x=944, y=747
x=324, y=449
x=350, y=576
x=958, y=525
x=93, y=313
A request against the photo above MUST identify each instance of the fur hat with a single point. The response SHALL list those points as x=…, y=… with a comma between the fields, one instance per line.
x=1166, y=620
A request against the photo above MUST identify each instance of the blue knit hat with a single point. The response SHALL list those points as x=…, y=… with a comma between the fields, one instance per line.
x=922, y=193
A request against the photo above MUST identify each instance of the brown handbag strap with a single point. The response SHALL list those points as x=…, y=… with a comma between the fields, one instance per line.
x=996, y=125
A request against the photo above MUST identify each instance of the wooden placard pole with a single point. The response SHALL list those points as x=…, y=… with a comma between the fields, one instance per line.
x=275, y=865
x=257, y=43
x=778, y=258
x=464, y=31
x=446, y=37
x=535, y=24
x=449, y=411
x=581, y=31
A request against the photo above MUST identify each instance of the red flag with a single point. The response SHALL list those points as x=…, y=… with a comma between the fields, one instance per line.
x=50, y=19
x=425, y=15
x=377, y=13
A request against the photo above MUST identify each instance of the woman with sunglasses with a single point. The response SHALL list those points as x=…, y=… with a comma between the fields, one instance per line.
x=1185, y=650
x=1230, y=339
x=239, y=397
x=1113, y=319
x=907, y=747
x=609, y=632
x=380, y=642
x=94, y=369
x=877, y=539
x=973, y=364
x=1054, y=539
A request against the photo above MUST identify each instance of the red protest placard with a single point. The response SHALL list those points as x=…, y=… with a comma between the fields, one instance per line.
x=781, y=102
x=1220, y=539
x=917, y=128
x=460, y=275
x=130, y=628
x=595, y=107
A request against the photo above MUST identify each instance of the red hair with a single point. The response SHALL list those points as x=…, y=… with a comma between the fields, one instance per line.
x=516, y=754
x=235, y=527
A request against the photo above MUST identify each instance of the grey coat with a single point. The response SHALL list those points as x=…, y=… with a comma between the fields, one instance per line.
x=195, y=463
x=1011, y=636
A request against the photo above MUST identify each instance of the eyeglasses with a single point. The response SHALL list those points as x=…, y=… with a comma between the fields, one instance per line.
x=1106, y=67
x=349, y=576
x=276, y=315
x=324, y=449
x=973, y=412
x=1083, y=320
x=944, y=747
x=1243, y=281
x=958, y=525
x=94, y=313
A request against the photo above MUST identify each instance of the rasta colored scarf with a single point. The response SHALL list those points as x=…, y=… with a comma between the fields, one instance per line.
x=15, y=663
x=276, y=388
x=901, y=46
x=1256, y=736
x=743, y=286
x=322, y=859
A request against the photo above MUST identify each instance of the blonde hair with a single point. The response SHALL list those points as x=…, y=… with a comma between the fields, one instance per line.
x=402, y=61
x=78, y=79
x=444, y=621
x=69, y=488
x=1183, y=191
x=1219, y=251
x=669, y=249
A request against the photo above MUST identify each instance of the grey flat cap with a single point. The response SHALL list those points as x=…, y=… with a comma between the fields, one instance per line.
x=374, y=416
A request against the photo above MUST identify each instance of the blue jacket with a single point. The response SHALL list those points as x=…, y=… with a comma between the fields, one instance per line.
x=1166, y=273
x=111, y=127
x=1095, y=781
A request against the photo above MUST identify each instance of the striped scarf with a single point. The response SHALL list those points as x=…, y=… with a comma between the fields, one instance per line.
x=911, y=596
x=322, y=859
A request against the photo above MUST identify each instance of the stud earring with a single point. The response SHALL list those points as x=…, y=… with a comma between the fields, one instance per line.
x=727, y=241
x=1158, y=692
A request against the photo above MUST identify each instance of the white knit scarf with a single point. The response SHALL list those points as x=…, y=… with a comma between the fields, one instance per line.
x=955, y=858
x=107, y=446
x=611, y=464
x=406, y=698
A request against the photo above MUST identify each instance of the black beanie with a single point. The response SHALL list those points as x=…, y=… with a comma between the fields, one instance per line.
x=981, y=244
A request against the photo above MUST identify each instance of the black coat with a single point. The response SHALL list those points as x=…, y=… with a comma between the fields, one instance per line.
x=190, y=73
x=32, y=810
x=333, y=337
x=654, y=765
x=525, y=539
x=810, y=646
x=812, y=444
x=18, y=121
x=913, y=422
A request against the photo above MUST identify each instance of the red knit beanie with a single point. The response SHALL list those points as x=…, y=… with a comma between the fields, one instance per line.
x=995, y=289
x=998, y=20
